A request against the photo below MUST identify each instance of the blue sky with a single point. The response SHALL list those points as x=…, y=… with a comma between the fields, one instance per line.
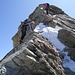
x=14, y=11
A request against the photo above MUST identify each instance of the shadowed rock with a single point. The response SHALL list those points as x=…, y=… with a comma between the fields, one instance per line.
x=67, y=37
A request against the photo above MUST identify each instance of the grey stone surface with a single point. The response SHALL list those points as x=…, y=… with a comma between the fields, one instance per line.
x=67, y=37
x=37, y=56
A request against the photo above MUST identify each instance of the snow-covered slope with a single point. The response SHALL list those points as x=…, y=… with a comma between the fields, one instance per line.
x=51, y=34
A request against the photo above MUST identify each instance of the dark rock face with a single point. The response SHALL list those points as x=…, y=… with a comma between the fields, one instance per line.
x=71, y=53
x=67, y=37
x=35, y=57
x=69, y=72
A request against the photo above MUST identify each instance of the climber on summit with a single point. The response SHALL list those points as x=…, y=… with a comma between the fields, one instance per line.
x=26, y=27
x=46, y=7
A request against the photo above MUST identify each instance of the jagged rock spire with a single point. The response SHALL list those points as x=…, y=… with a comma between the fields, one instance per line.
x=55, y=17
x=38, y=16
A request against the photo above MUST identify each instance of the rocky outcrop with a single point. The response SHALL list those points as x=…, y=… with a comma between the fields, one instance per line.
x=36, y=56
x=55, y=17
x=17, y=37
x=71, y=52
x=67, y=37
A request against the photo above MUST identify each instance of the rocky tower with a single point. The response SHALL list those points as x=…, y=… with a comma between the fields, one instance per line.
x=36, y=55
